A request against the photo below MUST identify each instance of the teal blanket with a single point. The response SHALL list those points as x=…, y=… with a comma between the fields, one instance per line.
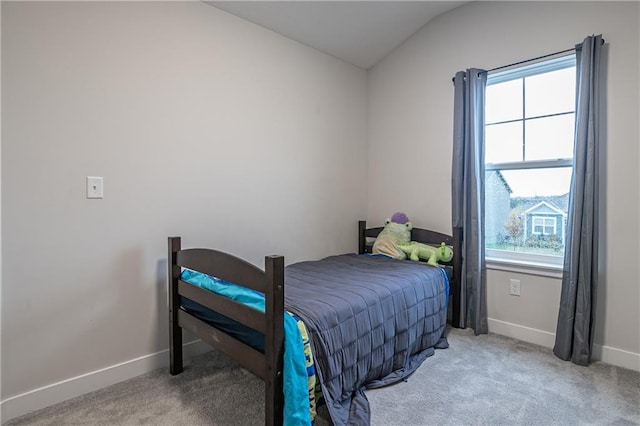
x=296, y=395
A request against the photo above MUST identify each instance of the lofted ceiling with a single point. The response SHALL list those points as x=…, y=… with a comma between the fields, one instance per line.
x=358, y=32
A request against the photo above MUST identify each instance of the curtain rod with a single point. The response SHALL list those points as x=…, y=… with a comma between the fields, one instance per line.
x=530, y=60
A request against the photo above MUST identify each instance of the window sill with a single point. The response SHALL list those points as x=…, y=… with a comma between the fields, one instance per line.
x=524, y=267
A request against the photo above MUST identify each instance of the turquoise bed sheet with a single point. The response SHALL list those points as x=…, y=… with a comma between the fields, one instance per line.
x=296, y=396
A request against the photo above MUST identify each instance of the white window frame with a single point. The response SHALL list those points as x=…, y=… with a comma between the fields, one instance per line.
x=541, y=264
x=544, y=225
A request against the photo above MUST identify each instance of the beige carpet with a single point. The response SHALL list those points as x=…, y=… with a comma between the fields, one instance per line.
x=484, y=380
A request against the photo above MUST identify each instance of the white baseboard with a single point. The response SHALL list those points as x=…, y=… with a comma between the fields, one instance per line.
x=520, y=332
x=606, y=354
x=45, y=396
x=615, y=356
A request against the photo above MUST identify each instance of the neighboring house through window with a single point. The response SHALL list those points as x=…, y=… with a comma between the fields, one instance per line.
x=529, y=133
x=545, y=219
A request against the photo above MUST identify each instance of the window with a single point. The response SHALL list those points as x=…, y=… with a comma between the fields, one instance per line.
x=544, y=225
x=529, y=129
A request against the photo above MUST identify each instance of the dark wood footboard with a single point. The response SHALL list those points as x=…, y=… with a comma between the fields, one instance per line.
x=267, y=365
x=427, y=237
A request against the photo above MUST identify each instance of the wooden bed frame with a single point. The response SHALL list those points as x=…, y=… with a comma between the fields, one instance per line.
x=267, y=365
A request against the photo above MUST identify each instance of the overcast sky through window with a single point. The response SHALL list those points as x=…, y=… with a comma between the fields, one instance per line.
x=550, y=97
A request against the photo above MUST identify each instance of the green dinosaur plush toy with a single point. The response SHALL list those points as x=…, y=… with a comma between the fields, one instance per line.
x=432, y=255
x=397, y=230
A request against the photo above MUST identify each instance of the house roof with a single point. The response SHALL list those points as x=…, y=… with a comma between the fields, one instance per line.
x=559, y=202
x=501, y=179
x=545, y=204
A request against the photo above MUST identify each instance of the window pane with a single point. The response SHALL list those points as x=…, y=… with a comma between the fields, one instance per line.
x=538, y=182
x=550, y=93
x=503, y=101
x=526, y=210
x=503, y=142
x=549, y=138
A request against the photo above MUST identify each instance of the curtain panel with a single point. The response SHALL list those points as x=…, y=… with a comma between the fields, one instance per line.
x=467, y=185
x=576, y=317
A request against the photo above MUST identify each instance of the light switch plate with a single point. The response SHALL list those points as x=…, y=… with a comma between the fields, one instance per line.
x=95, y=187
x=514, y=287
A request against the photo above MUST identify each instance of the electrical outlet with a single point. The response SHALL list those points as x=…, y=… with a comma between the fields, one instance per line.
x=514, y=287
x=95, y=187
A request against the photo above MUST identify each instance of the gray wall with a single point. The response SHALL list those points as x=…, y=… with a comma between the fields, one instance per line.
x=269, y=136
x=1, y=333
x=202, y=125
x=410, y=110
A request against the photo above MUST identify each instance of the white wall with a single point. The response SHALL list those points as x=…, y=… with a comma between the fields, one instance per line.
x=410, y=117
x=202, y=125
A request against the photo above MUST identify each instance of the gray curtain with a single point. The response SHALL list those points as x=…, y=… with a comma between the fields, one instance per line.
x=574, y=334
x=467, y=186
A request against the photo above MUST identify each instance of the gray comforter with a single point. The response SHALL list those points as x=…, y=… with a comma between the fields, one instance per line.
x=372, y=321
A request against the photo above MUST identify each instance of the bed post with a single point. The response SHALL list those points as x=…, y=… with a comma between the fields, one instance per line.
x=362, y=240
x=274, y=339
x=175, y=332
x=457, y=277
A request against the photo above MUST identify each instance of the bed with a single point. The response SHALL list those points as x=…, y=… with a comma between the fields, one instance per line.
x=370, y=320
